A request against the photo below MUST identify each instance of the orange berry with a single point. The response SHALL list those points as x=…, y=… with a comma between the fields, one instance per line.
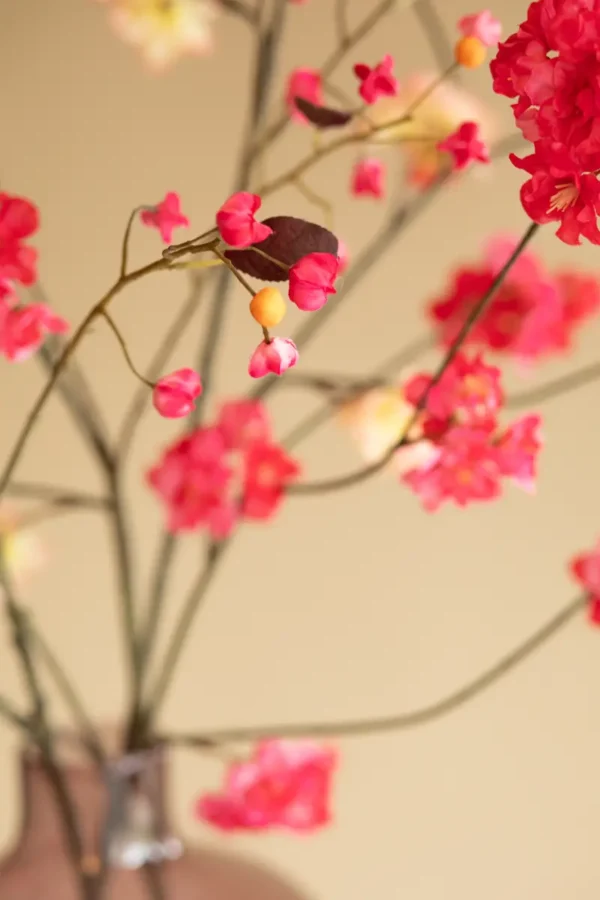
x=470, y=52
x=268, y=307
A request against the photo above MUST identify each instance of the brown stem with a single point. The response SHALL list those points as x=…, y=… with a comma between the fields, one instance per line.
x=360, y=475
x=563, y=385
x=123, y=345
x=56, y=496
x=127, y=235
x=403, y=721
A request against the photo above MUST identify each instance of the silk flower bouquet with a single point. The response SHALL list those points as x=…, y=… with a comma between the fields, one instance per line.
x=446, y=435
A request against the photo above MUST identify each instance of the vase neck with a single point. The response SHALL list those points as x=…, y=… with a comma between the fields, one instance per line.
x=119, y=809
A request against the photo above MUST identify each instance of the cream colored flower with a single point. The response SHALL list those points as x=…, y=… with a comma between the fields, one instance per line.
x=22, y=546
x=164, y=30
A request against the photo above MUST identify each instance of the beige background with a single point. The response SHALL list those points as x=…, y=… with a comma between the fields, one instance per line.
x=357, y=603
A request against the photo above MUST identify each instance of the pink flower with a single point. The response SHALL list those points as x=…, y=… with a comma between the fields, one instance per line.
x=242, y=423
x=19, y=219
x=465, y=470
x=534, y=313
x=312, y=279
x=305, y=83
x=368, y=178
x=469, y=391
x=283, y=785
x=481, y=25
x=465, y=146
x=518, y=448
x=23, y=328
x=236, y=223
x=275, y=357
x=165, y=216
x=193, y=479
x=267, y=471
x=378, y=81
x=174, y=395
x=586, y=569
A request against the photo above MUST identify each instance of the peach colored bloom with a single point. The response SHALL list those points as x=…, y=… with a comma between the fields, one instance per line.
x=23, y=548
x=164, y=30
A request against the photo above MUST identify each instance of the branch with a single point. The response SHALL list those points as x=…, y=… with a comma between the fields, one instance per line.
x=241, y=10
x=360, y=475
x=403, y=721
x=555, y=388
x=435, y=32
x=56, y=496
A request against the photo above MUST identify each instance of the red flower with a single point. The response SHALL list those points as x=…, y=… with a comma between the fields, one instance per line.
x=551, y=66
x=312, y=279
x=193, y=479
x=23, y=328
x=174, y=395
x=469, y=391
x=465, y=146
x=18, y=220
x=275, y=357
x=368, y=178
x=283, y=785
x=305, y=83
x=483, y=26
x=518, y=448
x=267, y=471
x=586, y=569
x=378, y=81
x=236, y=223
x=165, y=216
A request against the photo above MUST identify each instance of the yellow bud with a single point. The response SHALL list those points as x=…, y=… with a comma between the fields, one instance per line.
x=470, y=52
x=268, y=307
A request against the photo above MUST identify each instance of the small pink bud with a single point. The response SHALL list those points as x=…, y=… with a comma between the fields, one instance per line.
x=174, y=395
x=274, y=358
x=312, y=279
x=165, y=216
x=236, y=223
x=368, y=178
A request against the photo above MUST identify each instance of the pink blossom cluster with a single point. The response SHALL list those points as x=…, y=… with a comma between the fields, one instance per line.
x=470, y=454
x=551, y=67
x=23, y=328
x=224, y=473
x=534, y=313
x=284, y=784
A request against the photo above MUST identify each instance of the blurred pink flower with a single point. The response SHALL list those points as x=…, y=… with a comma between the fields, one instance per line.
x=237, y=223
x=483, y=26
x=175, y=395
x=268, y=469
x=19, y=219
x=586, y=569
x=274, y=357
x=305, y=83
x=465, y=146
x=242, y=422
x=368, y=178
x=517, y=449
x=165, y=216
x=283, y=785
x=165, y=30
x=23, y=329
x=378, y=81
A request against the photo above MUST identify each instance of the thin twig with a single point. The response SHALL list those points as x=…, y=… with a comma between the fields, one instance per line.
x=163, y=353
x=552, y=389
x=123, y=345
x=56, y=496
x=11, y=715
x=242, y=10
x=126, y=237
x=435, y=32
x=403, y=721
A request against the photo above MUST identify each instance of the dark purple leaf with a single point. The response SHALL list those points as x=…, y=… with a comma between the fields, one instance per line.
x=322, y=116
x=291, y=240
